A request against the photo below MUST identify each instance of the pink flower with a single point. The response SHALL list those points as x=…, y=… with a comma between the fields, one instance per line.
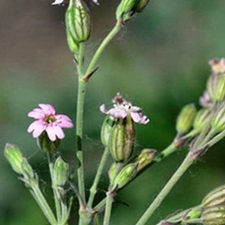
x=47, y=120
x=122, y=108
x=205, y=100
x=217, y=65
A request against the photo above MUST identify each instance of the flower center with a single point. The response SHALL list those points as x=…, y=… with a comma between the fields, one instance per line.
x=50, y=119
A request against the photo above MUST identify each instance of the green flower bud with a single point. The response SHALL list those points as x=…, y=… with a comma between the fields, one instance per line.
x=214, y=216
x=77, y=22
x=121, y=140
x=185, y=119
x=212, y=85
x=124, y=10
x=220, y=90
x=215, y=198
x=127, y=8
x=61, y=171
x=141, y=5
x=72, y=44
x=201, y=118
x=218, y=120
x=106, y=129
x=214, y=207
x=45, y=144
x=144, y=158
x=114, y=170
x=125, y=176
x=19, y=164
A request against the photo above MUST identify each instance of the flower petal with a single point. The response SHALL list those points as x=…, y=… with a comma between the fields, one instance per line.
x=48, y=109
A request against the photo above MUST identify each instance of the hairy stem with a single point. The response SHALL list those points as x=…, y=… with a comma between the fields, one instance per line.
x=79, y=121
x=188, y=161
x=108, y=207
x=40, y=199
x=101, y=166
x=100, y=49
x=54, y=189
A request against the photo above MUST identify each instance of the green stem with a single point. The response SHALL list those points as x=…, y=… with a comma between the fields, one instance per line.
x=108, y=207
x=100, y=206
x=163, y=154
x=40, y=199
x=54, y=188
x=100, y=49
x=216, y=139
x=79, y=121
x=188, y=161
x=166, y=152
x=101, y=166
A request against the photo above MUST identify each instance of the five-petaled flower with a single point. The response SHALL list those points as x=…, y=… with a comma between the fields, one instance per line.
x=122, y=108
x=46, y=120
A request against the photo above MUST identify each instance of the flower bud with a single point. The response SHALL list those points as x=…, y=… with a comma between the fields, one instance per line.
x=127, y=8
x=213, y=215
x=218, y=120
x=77, y=22
x=144, y=158
x=124, y=10
x=121, y=140
x=114, y=170
x=61, y=171
x=212, y=85
x=45, y=144
x=141, y=5
x=214, y=207
x=217, y=65
x=215, y=198
x=201, y=117
x=125, y=176
x=186, y=118
x=106, y=129
x=72, y=44
x=19, y=164
x=220, y=90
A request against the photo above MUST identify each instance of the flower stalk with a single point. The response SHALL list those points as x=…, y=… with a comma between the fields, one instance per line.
x=188, y=161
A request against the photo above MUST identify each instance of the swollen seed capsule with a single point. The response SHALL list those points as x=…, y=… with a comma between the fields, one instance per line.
x=73, y=45
x=121, y=140
x=106, y=129
x=215, y=197
x=78, y=22
x=213, y=216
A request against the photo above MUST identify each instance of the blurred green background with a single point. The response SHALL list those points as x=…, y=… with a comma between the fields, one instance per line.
x=159, y=62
